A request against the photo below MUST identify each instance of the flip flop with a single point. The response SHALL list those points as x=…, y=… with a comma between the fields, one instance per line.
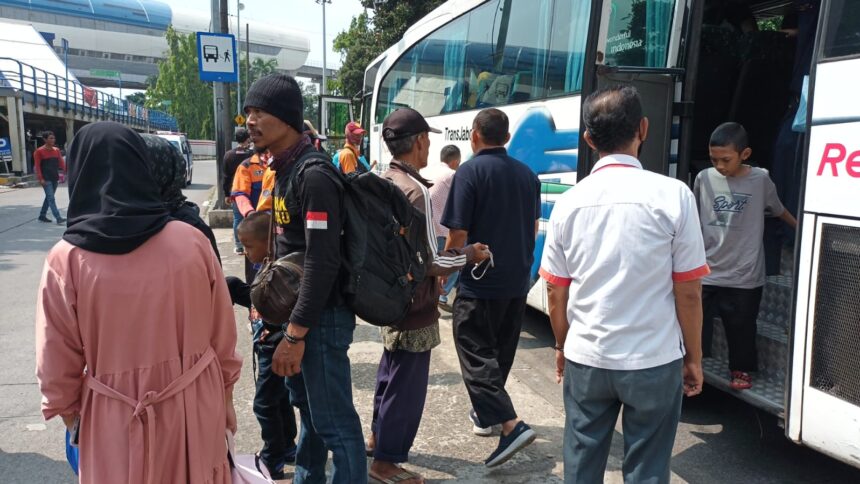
x=741, y=380
x=401, y=476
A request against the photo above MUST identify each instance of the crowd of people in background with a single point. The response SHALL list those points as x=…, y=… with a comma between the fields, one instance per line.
x=136, y=336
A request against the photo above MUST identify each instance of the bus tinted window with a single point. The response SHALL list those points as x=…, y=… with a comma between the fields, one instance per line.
x=505, y=51
x=639, y=32
x=567, y=47
x=842, y=31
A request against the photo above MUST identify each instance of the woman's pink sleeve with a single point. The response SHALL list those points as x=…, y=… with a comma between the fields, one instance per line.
x=59, y=350
x=223, y=325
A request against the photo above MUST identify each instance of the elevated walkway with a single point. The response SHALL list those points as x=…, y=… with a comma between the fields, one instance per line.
x=36, y=88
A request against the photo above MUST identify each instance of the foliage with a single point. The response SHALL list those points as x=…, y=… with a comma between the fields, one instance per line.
x=311, y=103
x=248, y=74
x=771, y=23
x=368, y=37
x=137, y=98
x=178, y=89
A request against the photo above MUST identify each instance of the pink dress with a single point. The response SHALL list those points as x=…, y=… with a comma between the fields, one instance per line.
x=155, y=330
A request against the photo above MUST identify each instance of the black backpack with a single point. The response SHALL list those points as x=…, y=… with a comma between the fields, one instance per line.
x=383, y=245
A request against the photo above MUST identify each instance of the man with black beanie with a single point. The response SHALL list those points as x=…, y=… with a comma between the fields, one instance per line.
x=313, y=351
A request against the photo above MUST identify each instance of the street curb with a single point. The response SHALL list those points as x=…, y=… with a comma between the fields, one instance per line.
x=207, y=205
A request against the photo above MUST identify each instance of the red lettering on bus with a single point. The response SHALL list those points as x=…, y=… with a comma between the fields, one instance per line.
x=828, y=159
x=852, y=165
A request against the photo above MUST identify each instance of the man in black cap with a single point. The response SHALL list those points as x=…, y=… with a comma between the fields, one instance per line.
x=231, y=161
x=402, y=377
x=313, y=351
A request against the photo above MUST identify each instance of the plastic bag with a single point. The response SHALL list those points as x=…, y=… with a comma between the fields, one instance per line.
x=799, y=124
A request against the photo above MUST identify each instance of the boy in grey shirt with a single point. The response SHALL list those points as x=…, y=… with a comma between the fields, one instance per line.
x=734, y=198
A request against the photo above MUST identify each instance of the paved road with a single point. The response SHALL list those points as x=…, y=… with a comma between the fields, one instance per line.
x=719, y=440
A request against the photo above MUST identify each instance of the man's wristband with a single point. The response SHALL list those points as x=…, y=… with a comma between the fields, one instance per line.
x=558, y=347
x=293, y=340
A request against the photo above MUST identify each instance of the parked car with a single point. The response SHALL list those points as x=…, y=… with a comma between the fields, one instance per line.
x=180, y=142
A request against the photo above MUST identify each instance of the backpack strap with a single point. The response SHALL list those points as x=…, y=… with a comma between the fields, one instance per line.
x=311, y=158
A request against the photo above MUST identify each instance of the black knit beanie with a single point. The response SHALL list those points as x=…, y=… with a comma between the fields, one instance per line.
x=278, y=95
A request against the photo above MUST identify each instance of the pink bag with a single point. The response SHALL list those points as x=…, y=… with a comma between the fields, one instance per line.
x=243, y=469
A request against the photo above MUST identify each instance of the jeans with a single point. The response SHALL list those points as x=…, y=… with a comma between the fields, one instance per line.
x=651, y=399
x=452, y=279
x=272, y=407
x=50, y=188
x=323, y=394
x=237, y=217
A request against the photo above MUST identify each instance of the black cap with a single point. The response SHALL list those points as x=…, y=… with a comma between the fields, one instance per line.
x=280, y=96
x=405, y=122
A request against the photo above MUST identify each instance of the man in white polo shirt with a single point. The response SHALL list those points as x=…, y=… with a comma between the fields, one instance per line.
x=623, y=262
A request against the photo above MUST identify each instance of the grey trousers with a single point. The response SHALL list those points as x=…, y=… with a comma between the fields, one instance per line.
x=651, y=399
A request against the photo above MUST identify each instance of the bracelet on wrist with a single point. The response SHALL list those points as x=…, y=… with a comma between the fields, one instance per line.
x=293, y=340
x=558, y=347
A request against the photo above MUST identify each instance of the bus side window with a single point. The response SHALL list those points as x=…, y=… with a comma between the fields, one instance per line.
x=843, y=23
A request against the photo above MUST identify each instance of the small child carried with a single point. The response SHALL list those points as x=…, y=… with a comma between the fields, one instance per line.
x=734, y=198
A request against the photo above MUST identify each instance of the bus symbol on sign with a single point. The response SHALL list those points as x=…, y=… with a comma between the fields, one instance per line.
x=210, y=52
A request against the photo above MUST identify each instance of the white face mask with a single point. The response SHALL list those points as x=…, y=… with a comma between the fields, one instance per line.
x=490, y=263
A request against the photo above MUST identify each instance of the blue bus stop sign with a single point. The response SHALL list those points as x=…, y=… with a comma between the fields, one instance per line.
x=216, y=57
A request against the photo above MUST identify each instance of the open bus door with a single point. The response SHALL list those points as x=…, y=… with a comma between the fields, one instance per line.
x=824, y=382
x=335, y=113
x=635, y=42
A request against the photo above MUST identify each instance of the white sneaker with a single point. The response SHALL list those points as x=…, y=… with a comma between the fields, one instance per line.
x=476, y=425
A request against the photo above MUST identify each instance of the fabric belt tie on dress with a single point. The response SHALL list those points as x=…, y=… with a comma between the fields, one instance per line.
x=145, y=407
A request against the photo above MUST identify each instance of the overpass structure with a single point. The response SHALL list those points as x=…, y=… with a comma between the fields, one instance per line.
x=101, y=39
x=37, y=93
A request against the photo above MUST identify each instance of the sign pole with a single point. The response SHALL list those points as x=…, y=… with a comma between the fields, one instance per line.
x=222, y=103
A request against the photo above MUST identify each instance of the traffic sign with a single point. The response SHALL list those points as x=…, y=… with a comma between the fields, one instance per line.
x=5, y=150
x=104, y=73
x=239, y=119
x=216, y=57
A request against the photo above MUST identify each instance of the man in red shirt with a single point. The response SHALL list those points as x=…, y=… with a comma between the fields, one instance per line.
x=48, y=162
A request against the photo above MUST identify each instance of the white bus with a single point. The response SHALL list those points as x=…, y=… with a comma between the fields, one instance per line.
x=697, y=64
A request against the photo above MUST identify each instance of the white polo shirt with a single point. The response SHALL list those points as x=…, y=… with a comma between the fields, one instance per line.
x=619, y=239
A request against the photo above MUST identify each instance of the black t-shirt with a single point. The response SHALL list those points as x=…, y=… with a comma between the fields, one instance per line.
x=310, y=220
x=496, y=199
x=232, y=159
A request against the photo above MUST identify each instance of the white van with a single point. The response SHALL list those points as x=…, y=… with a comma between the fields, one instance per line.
x=180, y=142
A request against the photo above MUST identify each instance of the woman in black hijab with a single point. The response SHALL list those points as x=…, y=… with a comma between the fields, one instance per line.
x=168, y=168
x=134, y=320
x=113, y=207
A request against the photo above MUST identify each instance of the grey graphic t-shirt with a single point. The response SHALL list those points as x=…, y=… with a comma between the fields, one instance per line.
x=732, y=212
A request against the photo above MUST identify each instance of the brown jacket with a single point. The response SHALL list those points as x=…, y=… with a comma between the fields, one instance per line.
x=423, y=311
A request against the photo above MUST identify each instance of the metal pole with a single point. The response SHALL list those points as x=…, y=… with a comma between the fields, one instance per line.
x=238, y=48
x=247, y=58
x=223, y=131
x=323, y=87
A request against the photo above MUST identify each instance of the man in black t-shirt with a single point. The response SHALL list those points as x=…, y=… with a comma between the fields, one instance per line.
x=494, y=199
x=313, y=350
x=231, y=161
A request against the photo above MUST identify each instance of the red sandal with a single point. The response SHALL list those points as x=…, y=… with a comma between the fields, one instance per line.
x=741, y=380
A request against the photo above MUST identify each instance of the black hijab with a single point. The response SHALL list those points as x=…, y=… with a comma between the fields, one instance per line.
x=114, y=203
x=168, y=168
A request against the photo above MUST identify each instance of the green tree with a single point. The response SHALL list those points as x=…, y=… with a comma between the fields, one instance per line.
x=137, y=98
x=178, y=89
x=311, y=103
x=368, y=37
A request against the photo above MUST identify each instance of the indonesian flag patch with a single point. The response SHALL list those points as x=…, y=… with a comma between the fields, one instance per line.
x=316, y=220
